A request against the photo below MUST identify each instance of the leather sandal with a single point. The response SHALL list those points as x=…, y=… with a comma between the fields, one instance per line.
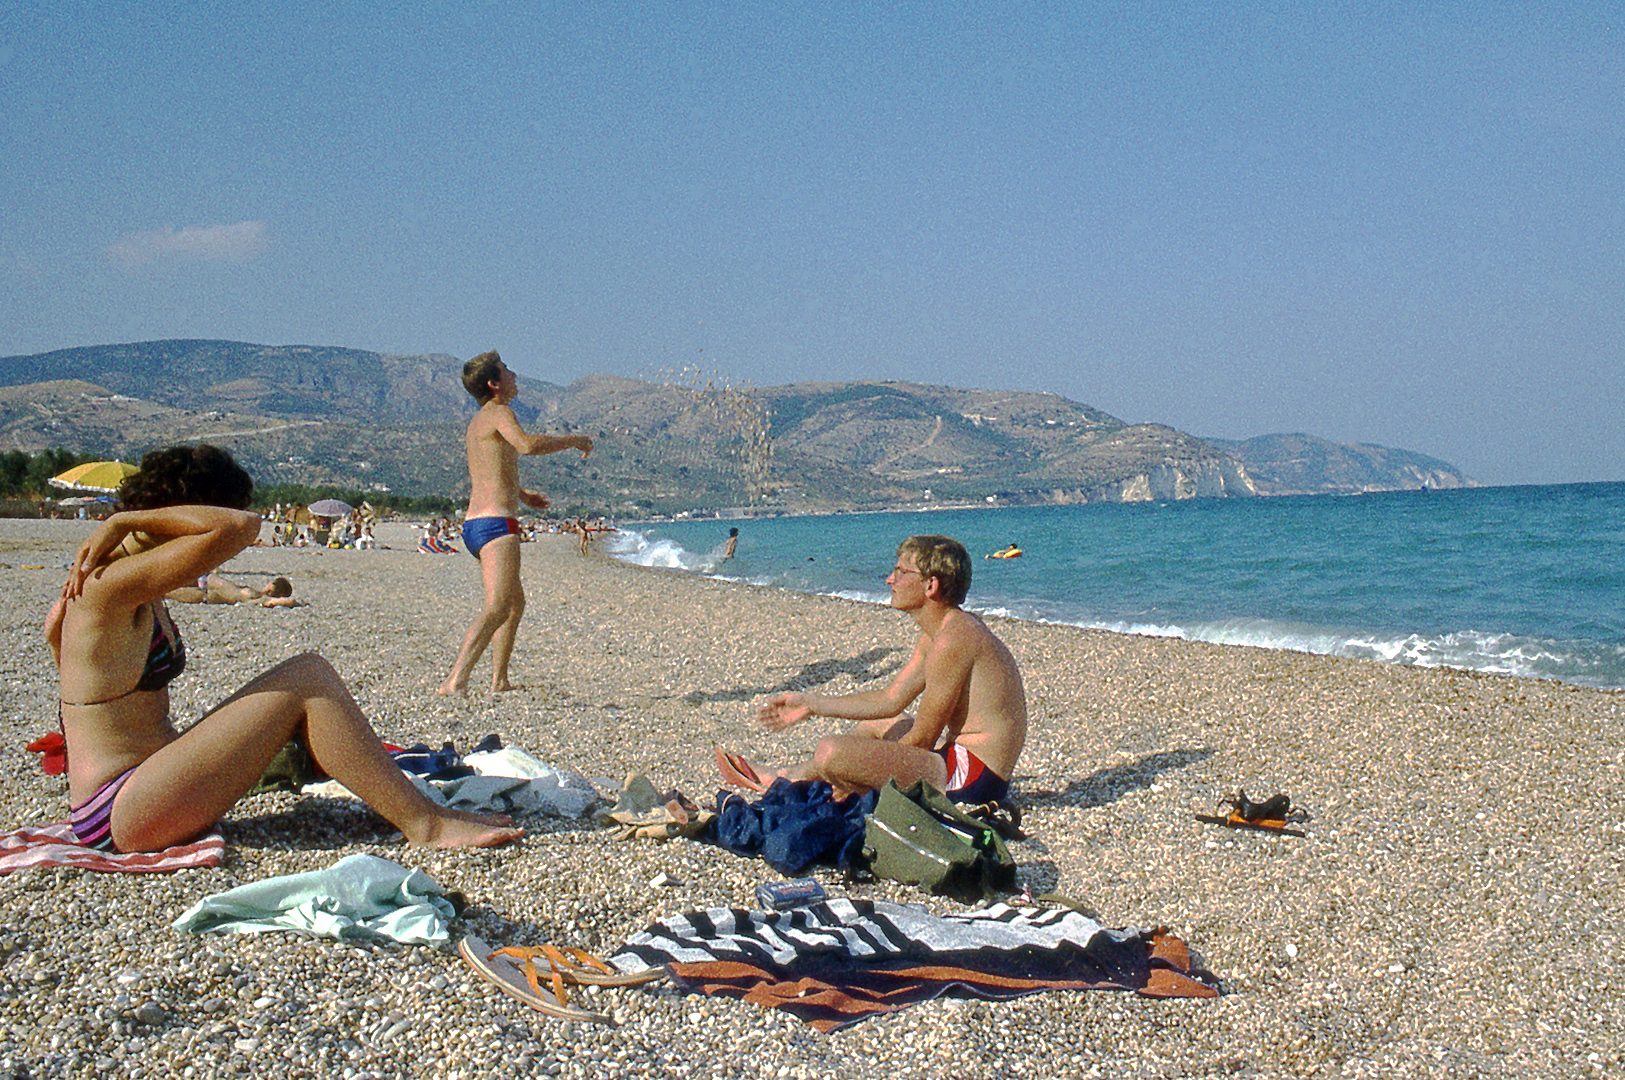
x=737, y=772
x=578, y=967
x=524, y=983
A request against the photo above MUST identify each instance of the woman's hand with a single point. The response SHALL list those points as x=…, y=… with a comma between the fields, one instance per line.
x=97, y=546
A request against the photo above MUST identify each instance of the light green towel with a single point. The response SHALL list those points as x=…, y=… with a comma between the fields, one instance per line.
x=358, y=897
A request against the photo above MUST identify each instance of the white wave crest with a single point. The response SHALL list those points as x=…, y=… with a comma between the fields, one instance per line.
x=629, y=545
x=1582, y=663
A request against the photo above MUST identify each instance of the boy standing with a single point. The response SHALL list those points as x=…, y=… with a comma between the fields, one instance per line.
x=491, y=527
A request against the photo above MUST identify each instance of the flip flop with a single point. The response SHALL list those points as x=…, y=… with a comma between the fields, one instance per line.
x=738, y=772
x=523, y=983
x=1236, y=821
x=578, y=967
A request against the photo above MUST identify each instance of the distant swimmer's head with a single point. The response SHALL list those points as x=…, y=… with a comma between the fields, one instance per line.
x=733, y=532
x=480, y=372
x=943, y=558
x=278, y=588
x=199, y=475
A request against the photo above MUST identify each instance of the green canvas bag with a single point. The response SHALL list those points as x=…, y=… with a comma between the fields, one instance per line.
x=919, y=837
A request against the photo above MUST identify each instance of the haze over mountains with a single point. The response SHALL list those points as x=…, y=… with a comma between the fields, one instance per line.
x=327, y=415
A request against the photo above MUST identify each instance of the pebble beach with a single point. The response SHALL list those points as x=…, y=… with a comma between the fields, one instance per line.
x=1456, y=908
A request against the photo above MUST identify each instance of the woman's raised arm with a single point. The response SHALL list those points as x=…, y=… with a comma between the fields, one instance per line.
x=174, y=545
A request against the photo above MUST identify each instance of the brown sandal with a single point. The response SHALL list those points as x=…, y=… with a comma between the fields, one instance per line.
x=737, y=772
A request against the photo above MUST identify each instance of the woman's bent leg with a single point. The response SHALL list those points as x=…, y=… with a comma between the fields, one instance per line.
x=191, y=783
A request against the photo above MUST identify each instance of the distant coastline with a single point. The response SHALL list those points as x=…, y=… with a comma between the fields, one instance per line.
x=359, y=421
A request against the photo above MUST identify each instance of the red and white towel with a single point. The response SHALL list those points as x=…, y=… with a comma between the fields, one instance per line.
x=55, y=845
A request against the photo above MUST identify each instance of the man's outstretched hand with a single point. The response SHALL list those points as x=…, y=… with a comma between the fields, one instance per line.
x=784, y=710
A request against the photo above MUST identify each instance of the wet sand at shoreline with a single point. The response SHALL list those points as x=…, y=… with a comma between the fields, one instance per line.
x=1456, y=908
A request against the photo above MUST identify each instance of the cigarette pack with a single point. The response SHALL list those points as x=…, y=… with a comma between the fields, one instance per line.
x=779, y=895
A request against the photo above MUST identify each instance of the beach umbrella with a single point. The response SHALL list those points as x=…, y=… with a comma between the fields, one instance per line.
x=330, y=508
x=103, y=476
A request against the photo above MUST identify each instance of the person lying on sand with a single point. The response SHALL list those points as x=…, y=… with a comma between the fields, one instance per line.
x=214, y=589
x=136, y=783
x=970, y=723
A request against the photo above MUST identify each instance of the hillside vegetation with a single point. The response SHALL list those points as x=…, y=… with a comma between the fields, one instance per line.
x=320, y=415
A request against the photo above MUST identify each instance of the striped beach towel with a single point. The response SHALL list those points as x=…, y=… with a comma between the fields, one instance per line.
x=836, y=963
x=55, y=845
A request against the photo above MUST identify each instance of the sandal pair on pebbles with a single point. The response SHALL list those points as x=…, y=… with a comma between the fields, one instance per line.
x=514, y=970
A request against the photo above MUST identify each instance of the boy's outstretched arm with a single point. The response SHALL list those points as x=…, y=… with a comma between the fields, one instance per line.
x=507, y=425
x=552, y=444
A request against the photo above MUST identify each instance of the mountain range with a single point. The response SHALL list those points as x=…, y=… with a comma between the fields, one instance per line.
x=681, y=443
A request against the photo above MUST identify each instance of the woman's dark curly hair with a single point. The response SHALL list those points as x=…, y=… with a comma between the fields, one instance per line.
x=199, y=475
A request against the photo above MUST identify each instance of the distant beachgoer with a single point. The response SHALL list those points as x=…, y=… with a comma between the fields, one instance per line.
x=971, y=722
x=733, y=542
x=490, y=530
x=134, y=782
x=214, y=589
x=1012, y=551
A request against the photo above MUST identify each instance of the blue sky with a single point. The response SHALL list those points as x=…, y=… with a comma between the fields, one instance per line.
x=1391, y=223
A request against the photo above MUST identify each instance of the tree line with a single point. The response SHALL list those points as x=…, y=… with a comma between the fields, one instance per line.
x=26, y=477
x=272, y=495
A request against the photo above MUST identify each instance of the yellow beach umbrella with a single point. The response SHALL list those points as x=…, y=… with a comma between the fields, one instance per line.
x=102, y=476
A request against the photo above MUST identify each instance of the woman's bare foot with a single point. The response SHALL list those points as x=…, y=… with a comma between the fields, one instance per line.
x=449, y=688
x=459, y=829
x=501, y=687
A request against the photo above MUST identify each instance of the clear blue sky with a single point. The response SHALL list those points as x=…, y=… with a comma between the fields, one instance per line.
x=1391, y=223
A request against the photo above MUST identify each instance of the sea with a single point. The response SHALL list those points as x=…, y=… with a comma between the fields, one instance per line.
x=1523, y=581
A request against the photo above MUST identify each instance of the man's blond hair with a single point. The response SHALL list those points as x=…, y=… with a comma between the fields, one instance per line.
x=943, y=558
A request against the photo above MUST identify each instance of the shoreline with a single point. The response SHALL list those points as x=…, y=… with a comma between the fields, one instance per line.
x=1342, y=644
x=1456, y=909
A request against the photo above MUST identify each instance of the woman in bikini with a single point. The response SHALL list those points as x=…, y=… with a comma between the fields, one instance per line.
x=134, y=781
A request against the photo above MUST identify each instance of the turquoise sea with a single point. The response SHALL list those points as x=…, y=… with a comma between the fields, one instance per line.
x=1526, y=581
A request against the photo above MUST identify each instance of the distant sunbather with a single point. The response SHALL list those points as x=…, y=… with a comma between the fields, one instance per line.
x=214, y=589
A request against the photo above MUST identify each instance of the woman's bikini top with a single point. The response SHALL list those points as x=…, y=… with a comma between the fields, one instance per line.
x=166, y=658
